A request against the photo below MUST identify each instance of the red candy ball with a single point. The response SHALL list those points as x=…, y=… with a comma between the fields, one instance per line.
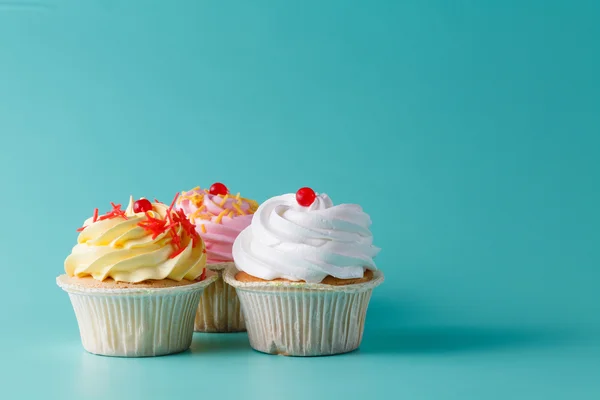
x=142, y=205
x=218, y=188
x=305, y=196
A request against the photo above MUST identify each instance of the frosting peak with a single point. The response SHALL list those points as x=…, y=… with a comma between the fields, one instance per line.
x=132, y=247
x=219, y=219
x=290, y=241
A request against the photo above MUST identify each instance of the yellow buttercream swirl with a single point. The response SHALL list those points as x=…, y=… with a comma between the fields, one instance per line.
x=118, y=248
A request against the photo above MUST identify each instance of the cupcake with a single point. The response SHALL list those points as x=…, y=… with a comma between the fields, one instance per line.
x=306, y=274
x=134, y=279
x=219, y=218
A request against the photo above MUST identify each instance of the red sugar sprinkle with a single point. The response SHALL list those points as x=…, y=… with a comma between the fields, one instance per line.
x=115, y=212
x=174, y=219
x=187, y=226
x=157, y=226
x=177, y=252
x=173, y=203
x=94, y=219
x=176, y=240
x=153, y=225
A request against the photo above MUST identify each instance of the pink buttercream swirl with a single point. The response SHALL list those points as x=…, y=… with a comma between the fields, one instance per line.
x=219, y=219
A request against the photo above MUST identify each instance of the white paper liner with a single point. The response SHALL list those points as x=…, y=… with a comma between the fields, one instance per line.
x=135, y=322
x=219, y=309
x=304, y=319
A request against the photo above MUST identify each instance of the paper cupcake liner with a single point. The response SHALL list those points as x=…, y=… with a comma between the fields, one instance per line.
x=135, y=322
x=219, y=309
x=304, y=319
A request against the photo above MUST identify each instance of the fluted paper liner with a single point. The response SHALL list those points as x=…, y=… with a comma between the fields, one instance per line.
x=219, y=309
x=135, y=322
x=304, y=319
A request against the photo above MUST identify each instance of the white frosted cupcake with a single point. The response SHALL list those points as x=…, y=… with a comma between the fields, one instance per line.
x=219, y=217
x=306, y=274
x=134, y=279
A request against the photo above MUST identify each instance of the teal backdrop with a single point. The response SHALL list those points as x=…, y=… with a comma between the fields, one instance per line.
x=468, y=130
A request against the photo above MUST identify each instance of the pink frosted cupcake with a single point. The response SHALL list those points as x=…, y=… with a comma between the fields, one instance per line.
x=219, y=217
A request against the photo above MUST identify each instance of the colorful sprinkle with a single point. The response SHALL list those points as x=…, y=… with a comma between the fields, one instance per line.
x=224, y=200
x=238, y=209
x=177, y=252
x=197, y=199
x=220, y=216
x=172, y=203
x=115, y=212
x=153, y=225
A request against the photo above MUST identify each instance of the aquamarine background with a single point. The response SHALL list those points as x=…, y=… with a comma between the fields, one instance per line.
x=468, y=130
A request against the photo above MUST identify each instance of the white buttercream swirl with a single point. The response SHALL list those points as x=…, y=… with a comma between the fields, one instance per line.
x=289, y=241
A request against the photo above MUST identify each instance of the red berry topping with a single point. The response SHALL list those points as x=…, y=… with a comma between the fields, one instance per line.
x=218, y=188
x=305, y=196
x=141, y=206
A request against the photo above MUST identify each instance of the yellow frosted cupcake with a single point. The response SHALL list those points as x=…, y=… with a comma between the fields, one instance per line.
x=219, y=218
x=134, y=279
